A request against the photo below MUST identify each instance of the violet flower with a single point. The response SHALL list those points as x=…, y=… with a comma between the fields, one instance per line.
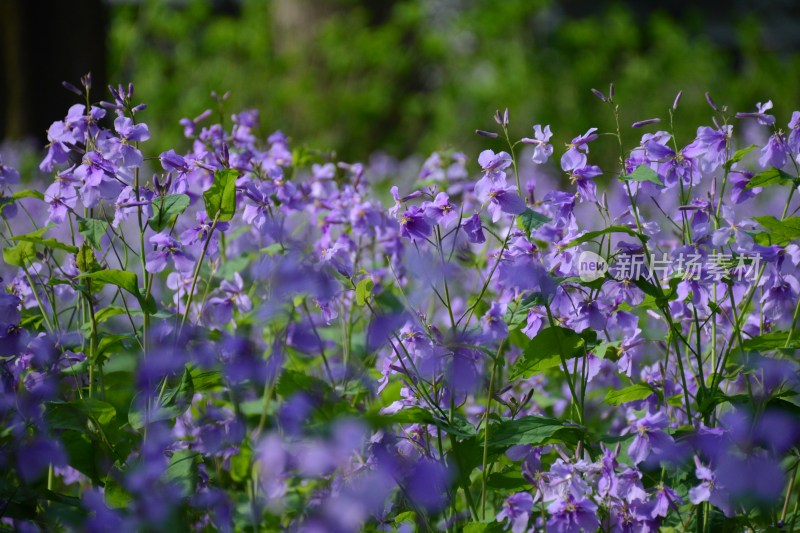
x=649, y=437
x=129, y=133
x=572, y=515
x=474, y=229
x=541, y=141
x=709, y=490
x=167, y=248
x=517, y=510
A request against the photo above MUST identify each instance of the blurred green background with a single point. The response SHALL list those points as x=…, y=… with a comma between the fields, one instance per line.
x=413, y=76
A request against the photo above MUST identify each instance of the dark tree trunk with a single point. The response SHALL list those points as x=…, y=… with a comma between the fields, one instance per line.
x=45, y=43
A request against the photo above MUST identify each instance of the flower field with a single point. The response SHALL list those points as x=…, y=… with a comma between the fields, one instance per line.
x=248, y=334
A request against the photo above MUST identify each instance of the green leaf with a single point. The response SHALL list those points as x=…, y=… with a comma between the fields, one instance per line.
x=643, y=173
x=107, y=312
x=79, y=414
x=545, y=349
x=181, y=395
x=27, y=193
x=772, y=341
x=483, y=527
x=36, y=237
x=20, y=254
x=167, y=208
x=127, y=281
x=182, y=471
x=639, y=391
x=241, y=463
x=529, y=220
x=533, y=430
x=738, y=155
x=115, y=494
x=781, y=232
x=771, y=176
x=591, y=235
x=85, y=259
x=608, y=350
x=220, y=199
x=93, y=230
x=364, y=291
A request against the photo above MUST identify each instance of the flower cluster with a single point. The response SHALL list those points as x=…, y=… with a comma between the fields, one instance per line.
x=246, y=335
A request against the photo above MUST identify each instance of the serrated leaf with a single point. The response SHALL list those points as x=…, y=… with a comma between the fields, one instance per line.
x=636, y=392
x=529, y=220
x=93, y=230
x=781, y=232
x=643, y=173
x=591, y=235
x=85, y=259
x=166, y=208
x=220, y=199
x=771, y=176
x=364, y=291
x=20, y=254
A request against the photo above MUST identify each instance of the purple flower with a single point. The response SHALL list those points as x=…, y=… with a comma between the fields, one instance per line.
x=780, y=299
x=773, y=154
x=575, y=156
x=172, y=162
x=571, y=515
x=541, y=141
x=517, y=510
x=427, y=484
x=220, y=309
x=128, y=203
x=493, y=323
x=649, y=437
x=709, y=490
x=414, y=224
x=760, y=115
x=494, y=164
x=474, y=229
x=167, y=248
x=128, y=133
x=501, y=198
x=259, y=202
x=99, y=179
x=8, y=175
x=62, y=198
x=441, y=210
x=739, y=180
x=665, y=498
x=583, y=178
x=200, y=232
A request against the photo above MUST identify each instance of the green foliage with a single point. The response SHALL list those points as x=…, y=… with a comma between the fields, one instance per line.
x=642, y=173
x=781, y=232
x=93, y=230
x=220, y=199
x=547, y=349
x=413, y=76
x=166, y=209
